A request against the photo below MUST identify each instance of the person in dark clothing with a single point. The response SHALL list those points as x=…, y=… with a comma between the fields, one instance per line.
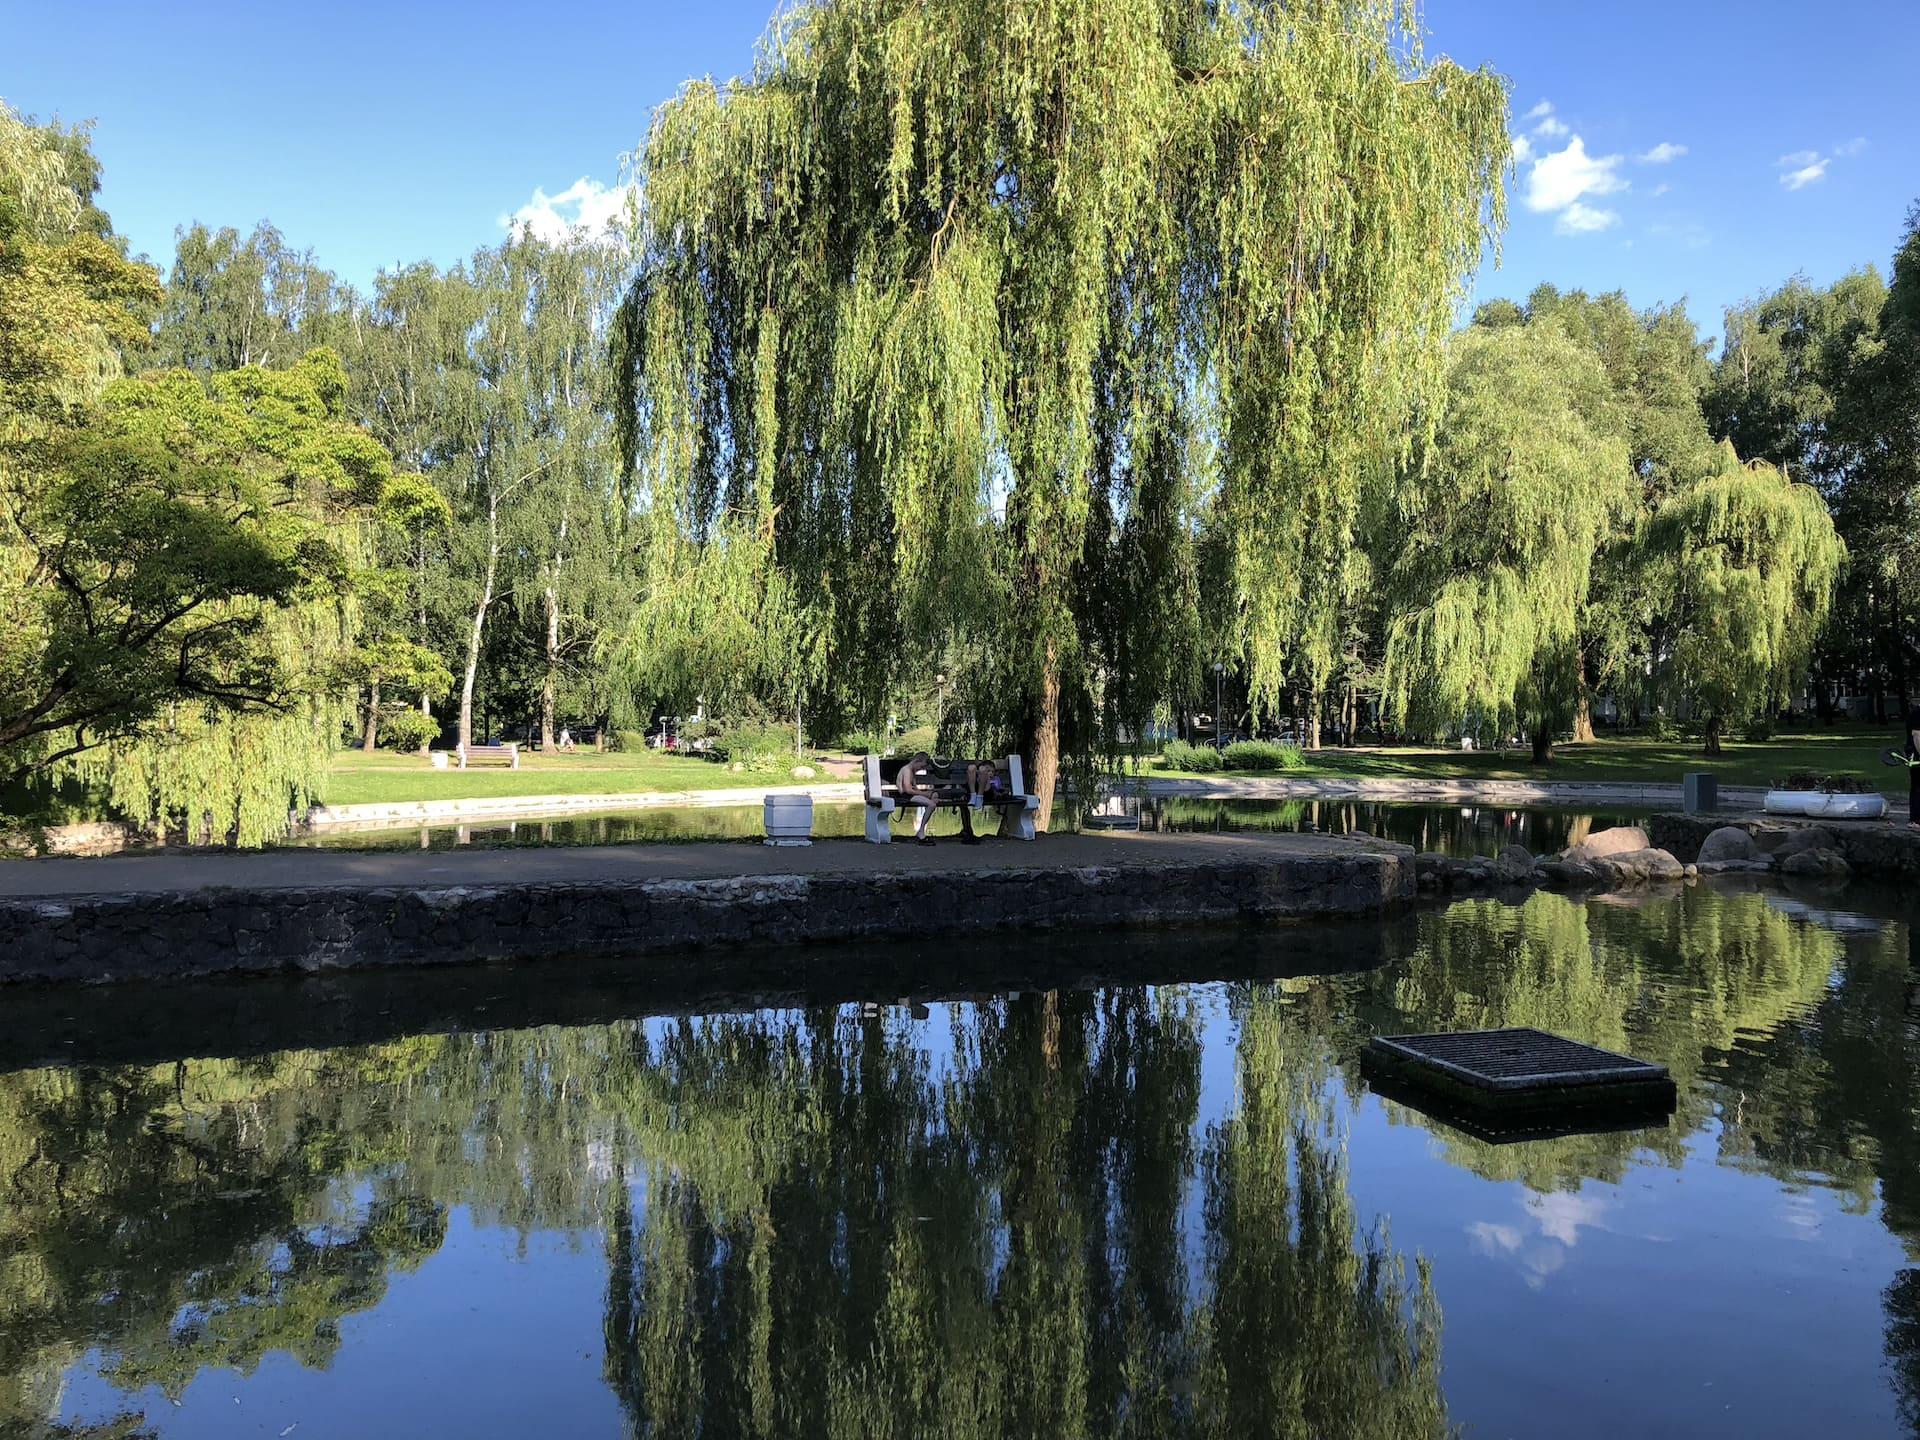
x=1912, y=751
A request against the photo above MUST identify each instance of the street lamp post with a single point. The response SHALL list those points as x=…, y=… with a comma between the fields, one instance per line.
x=1219, y=692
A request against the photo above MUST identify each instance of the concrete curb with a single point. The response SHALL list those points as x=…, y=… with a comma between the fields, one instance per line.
x=660, y=922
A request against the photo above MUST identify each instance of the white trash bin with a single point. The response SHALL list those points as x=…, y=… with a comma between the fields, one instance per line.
x=789, y=819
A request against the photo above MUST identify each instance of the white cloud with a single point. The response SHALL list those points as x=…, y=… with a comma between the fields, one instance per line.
x=1804, y=175
x=584, y=208
x=1558, y=180
x=1562, y=1217
x=1851, y=147
x=1660, y=154
x=1579, y=219
x=1799, y=157
x=1690, y=233
x=1660, y=189
x=1522, y=149
x=1493, y=1239
x=1550, y=125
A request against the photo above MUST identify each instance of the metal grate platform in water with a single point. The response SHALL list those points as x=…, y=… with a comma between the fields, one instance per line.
x=1518, y=1070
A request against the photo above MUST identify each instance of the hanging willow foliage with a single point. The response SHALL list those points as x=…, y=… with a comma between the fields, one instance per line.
x=1495, y=532
x=1747, y=561
x=945, y=282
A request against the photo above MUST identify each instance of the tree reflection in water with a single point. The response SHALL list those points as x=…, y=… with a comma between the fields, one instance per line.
x=853, y=1244
x=1020, y=1217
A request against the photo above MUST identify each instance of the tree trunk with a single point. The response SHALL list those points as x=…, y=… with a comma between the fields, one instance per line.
x=1314, y=705
x=479, y=626
x=1710, y=741
x=1046, y=738
x=550, y=680
x=1542, y=745
x=420, y=595
x=371, y=736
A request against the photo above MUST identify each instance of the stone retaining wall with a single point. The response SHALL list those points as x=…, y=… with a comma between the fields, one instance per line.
x=1870, y=847
x=220, y=930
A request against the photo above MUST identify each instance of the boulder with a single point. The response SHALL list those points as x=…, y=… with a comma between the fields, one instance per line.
x=803, y=772
x=1816, y=860
x=1804, y=838
x=1620, y=840
x=1568, y=872
x=1638, y=867
x=1513, y=865
x=1735, y=867
x=1729, y=842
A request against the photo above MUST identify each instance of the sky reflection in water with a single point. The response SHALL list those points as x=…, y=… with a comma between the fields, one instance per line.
x=1167, y=1209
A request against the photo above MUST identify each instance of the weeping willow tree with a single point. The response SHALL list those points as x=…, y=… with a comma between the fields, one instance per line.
x=1494, y=533
x=1748, y=562
x=972, y=307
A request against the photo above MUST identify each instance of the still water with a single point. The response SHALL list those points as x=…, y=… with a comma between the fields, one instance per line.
x=1450, y=829
x=513, y=1201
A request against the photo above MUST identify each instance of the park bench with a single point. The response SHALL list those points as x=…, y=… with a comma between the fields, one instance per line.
x=948, y=785
x=507, y=755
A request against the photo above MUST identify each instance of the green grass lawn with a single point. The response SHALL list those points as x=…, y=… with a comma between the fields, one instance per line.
x=386, y=778
x=1851, y=751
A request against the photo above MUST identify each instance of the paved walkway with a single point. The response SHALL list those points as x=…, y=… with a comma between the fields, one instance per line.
x=301, y=869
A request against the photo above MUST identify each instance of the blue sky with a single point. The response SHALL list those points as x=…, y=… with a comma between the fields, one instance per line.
x=380, y=134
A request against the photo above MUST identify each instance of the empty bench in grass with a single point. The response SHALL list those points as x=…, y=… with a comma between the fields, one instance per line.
x=947, y=784
x=507, y=755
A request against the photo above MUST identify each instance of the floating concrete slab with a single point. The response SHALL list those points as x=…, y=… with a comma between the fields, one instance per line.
x=1518, y=1071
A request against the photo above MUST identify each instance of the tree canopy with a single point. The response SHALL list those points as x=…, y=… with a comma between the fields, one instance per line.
x=940, y=282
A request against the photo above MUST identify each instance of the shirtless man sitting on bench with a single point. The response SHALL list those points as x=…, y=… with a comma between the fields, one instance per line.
x=913, y=784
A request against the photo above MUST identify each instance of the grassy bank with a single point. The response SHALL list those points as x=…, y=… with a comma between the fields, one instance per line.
x=1850, y=751
x=387, y=779
x=383, y=778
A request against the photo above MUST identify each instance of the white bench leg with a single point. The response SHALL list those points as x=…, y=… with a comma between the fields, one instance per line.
x=877, y=817
x=1016, y=822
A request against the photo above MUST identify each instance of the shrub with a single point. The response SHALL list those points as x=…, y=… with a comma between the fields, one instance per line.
x=408, y=729
x=863, y=742
x=757, y=746
x=1757, y=731
x=1831, y=784
x=1661, y=728
x=921, y=737
x=626, y=741
x=1179, y=755
x=1264, y=755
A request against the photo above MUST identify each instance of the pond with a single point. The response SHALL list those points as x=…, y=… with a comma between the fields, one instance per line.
x=918, y=1199
x=1463, y=829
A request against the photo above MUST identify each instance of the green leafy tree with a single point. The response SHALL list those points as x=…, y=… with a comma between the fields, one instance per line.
x=1872, y=441
x=1748, y=562
x=1493, y=533
x=938, y=275
x=234, y=301
x=1655, y=368
x=415, y=390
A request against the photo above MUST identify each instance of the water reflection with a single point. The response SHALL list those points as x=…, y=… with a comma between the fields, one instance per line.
x=1128, y=1209
x=1449, y=829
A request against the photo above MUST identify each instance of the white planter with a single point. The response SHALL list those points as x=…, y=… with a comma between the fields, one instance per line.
x=1819, y=805
x=789, y=819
